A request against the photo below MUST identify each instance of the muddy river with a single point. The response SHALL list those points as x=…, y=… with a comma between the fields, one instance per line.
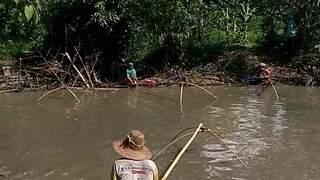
x=58, y=139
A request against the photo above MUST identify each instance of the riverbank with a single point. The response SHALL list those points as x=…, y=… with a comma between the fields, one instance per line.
x=228, y=69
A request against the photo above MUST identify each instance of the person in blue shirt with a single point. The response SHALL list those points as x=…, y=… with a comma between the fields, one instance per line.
x=132, y=79
x=291, y=33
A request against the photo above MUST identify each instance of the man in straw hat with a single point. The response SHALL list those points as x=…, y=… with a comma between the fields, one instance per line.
x=136, y=163
x=264, y=73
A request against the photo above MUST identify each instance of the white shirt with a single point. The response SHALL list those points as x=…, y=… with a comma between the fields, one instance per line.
x=127, y=169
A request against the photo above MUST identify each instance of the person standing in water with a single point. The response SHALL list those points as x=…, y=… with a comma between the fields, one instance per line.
x=136, y=163
x=131, y=78
x=264, y=73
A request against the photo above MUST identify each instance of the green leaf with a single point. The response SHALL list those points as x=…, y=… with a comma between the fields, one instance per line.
x=29, y=11
x=1, y=5
x=17, y=1
x=36, y=15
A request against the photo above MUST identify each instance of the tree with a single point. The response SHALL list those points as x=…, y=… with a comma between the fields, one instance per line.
x=305, y=12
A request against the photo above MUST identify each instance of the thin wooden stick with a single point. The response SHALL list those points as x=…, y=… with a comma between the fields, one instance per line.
x=53, y=90
x=226, y=146
x=51, y=69
x=172, y=142
x=75, y=81
x=181, y=97
x=263, y=88
x=83, y=79
x=73, y=95
x=181, y=153
x=84, y=66
x=10, y=90
x=203, y=89
x=275, y=90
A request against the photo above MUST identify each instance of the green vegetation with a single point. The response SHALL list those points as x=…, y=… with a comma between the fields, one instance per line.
x=155, y=34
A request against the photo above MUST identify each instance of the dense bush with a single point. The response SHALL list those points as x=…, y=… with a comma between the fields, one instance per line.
x=157, y=35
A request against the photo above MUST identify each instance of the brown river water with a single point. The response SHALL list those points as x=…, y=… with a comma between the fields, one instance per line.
x=58, y=139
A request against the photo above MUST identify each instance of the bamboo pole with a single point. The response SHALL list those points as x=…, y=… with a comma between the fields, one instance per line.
x=181, y=97
x=83, y=79
x=275, y=90
x=181, y=153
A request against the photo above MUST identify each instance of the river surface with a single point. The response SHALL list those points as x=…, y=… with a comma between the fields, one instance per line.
x=58, y=139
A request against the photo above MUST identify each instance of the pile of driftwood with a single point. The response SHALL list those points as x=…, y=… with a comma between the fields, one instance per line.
x=69, y=71
x=308, y=68
x=11, y=81
x=50, y=70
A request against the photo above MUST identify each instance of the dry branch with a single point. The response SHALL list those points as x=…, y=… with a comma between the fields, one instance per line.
x=73, y=95
x=10, y=90
x=53, y=90
x=83, y=79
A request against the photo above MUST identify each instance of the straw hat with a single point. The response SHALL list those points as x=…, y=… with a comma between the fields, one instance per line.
x=132, y=147
x=262, y=65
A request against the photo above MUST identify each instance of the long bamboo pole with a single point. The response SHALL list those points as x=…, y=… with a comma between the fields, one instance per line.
x=181, y=153
x=181, y=97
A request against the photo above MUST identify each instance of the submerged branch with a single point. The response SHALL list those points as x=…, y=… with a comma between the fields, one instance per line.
x=204, y=90
x=51, y=91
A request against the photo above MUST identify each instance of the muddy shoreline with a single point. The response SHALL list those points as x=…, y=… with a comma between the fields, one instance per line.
x=229, y=69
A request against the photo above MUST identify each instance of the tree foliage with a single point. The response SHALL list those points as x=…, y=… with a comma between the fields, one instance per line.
x=160, y=32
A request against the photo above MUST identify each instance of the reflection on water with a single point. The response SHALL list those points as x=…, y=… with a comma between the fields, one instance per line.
x=132, y=100
x=58, y=139
x=249, y=136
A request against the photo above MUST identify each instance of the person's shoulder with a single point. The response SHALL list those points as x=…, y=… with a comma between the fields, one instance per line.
x=150, y=162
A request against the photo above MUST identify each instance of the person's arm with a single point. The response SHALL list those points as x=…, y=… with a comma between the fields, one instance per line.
x=113, y=173
x=156, y=175
x=135, y=79
x=129, y=78
x=267, y=73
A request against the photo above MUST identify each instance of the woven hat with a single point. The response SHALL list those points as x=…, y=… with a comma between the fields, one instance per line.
x=132, y=147
x=130, y=64
x=262, y=65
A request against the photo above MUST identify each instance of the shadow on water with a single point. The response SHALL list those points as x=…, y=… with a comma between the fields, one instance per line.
x=58, y=139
